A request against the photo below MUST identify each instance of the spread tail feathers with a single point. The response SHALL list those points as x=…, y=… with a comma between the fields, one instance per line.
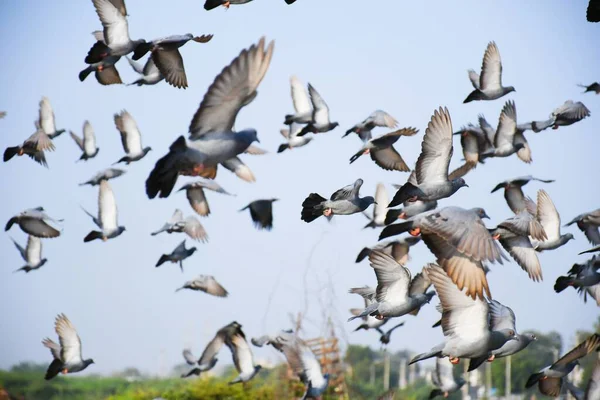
x=312, y=207
x=395, y=229
x=425, y=356
x=364, y=253
x=439, y=323
x=403, y=194
x=289, y=119
x=282, y=148
x=93, y=235
x=371, y=308
x=10, y=152
x=97, y=53
x=371, y=224
x=435, y=393
x=163, y=259
x=53, y=369
x=474, y=363
x=210, y=4
x=141, y=50
x=474, y=95
x=533, y=379
x=164, y=175
x=84, y=74
x=562, y=283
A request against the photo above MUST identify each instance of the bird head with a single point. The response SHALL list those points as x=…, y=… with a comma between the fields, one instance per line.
x=459, y=182
x=368, y=200
x=249, y=135
x=147, y=149
x=510, y=89
x=334, y=125
x=569, y=236
x=192, y=250
x=481, y=213
x=43, y=261
x=257, y=368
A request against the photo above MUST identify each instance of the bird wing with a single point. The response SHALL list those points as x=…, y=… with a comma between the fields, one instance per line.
x=436, y=149
x=474, y=78
x=572, y=111
x=240, y=169
x=107, y=208
x=194, y=229
x=382, y=200
x=109, y=76
x=189, y=357
x=520, y=248
x=70, y=343
x=507, y=125
x=501, y=316
x=393, y=279
x=39, y=227
x=120, y=5
x=180, y=249
x=593, y=387
x=485, y=126
x=524, y=224
x=211, y=286
x=592, y=343
x=444, y=370
x=419, y=284
x=33, y=250
x=383, y=119
x=77, y=139
x=40, y=141
x=241, y=352
x=21, y=249
x=320, y=108
x=170, y=64
x=197, y=199
x=137, y=67
x=311, y=366
x=150, y=68
x=46, y=116
x=299, y=96
x=131, y=137
x=212, y=348
x=89, y=138
x=53, y=346
x=231, y=90
x=523, y=153
x=347, y=192
x=116, y=29
x=389, y=159
x=550, y=386
x=491, y=68
x=547, y=215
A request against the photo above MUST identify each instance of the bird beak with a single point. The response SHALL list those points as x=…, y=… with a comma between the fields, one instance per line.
x=374, y=202
x=485, y=216
x=257, y=140
x=466, y=185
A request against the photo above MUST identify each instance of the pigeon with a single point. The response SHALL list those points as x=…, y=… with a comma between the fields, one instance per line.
x=88, y=143
x=306, y=366
x=35, y=222
x=593, y=12
x=409, y=208
x=205, y=283
x=150, y=75
x=443, y=379
x=190, y=226
x=293, y=140
x=261, y=212
x=67, y=357
x=104, y=175
x=396, y=295
x=379, y=210
x=459, y=240
x=194, y=192
x=513, y=191
x=212, y=4
x=583, y=277
x=2, y=114
x=503, y=317
x=31, y=254
x=116, y=43
x=588, y=223
x=387, y=336
x=208, y=359
x=592, y=390
x=432, y=165
x=464, y=322
x=398, y=249
x=382, y=151
x=369, y=322
x=377, y=118
x=290, y=2
x=550, y=379
x=345, y=201
x=242, y=355
x=212, y=138
x=548, y=216
x=131, y=138
x=302, y=106
x=277, y=342
x=474, y=143
x=513, y=234
x=46, y=120
x=488, y=85
x=34, y=147
x=107, y=216
x=320, y=121
x=594, y=87
x=166, y=56
x=105, y=71
x=177, y=256
x=567, y=114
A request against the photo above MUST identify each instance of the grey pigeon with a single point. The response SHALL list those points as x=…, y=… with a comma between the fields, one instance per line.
x=396, y=295
x=131, y=138
x=383, y=152
x=432, y=165
x=368, y=321
x=320, y=121
x=503, y=317
x=243, y=360
x=2, y=114
x=306, y=366
x=190, y=226
x=588, y=223
x=116, y=43
x=345, y=201
x=550, y=379
x=459, y=240
x=548, y=216
x=513, y=191
x=387, y=336
x=488, y=85
x=167, y=58
x=213, y=140
x=66, y=356
x=301, y=101
x=35, y=222
x=261, y=212
x=567, y=114
x=277, y=341
x=107, y=219
x=508, y=139
x=464, y=322
x=195, y=194
x=87, y=144
x=46, y=120
x=583, y=277
x=443, y=379
x=104, y=175
x=474, y=143
x=105, y=71
x=179, y=254
x=205, y=283
x=150, y=75
x=31, y=254
x=212, y=4
x=293, y=140
x=594, y=87
x=379, y=210
x=34, y=147
x=377, y=118
x=409, y=208
x=398, y=249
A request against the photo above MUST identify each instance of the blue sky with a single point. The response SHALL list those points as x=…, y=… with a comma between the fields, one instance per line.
x=407, y=58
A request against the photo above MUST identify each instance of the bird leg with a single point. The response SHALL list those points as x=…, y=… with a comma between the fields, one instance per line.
x=496, y=236
x=415, y=231
x=100, y=68
x=65, y=371
x=454, y=360
x=402, y=215
x=367, y=151
x=21, y=151
x=555, y=127
x=328, y=212
x=104, y=238
x=379, y=317
x=412, y=198
x=491, y=358
x=226, y=4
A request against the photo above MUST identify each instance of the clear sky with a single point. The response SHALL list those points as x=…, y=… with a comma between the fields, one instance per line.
x=407, y=58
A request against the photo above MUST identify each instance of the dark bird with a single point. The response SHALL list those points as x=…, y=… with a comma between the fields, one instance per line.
x=261, y=212
x=594, y=87
x=179, y=254
x=345, y=201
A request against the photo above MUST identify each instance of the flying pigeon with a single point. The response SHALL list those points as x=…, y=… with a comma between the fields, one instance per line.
x=261, y=212
x=345, y=201
x=443, y=379
x=179, y=254
x=409, y=208
x=398, y=249
x=150, y=75
x=379, y=210
x=588, y=223
x=31, y=254
x=301, y=101
x=583, y=277
x=277, y=341
x=513, y=192
x=369, y=321
x=105, y=71
x=2, y=114
x=548, y=216
x=320, y=120
x=488, y=85
x=212, y=4
x=464, y=322
x=212, y=138
x=432, y=165
x=67, y=357
x=34, y=146
x=205, y=283
x=293, y=140
x=387, y=336
x=567, y=114
x=104, y=175
x=107, y=216
x=306, y=366
x=167, y=58
x=131, y=138
x=195, y=194
x=396, y=295
x=46, y=120
x=383, y=152
x=377, y=118
x=87, y=144
x=242, y=355
x=594, y=87
x=550, y=379
x=190, y=226
x=35, y=222
x=474, y=143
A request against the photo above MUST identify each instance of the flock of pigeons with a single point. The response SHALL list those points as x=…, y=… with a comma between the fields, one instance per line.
x=476, y=327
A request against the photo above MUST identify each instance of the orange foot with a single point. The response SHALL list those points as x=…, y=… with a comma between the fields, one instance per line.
x=555, y=127
x=454, y=360
x=491, y=358
x=104, y=238
x=379, y=317
x=496, y=236
x=415, y=231
x=226, y=4
x=20, y=153
x=402, y=215
x=413, y=198
x=328, y=212
x=100, y=68
x=65, y=371
x=367, y=151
